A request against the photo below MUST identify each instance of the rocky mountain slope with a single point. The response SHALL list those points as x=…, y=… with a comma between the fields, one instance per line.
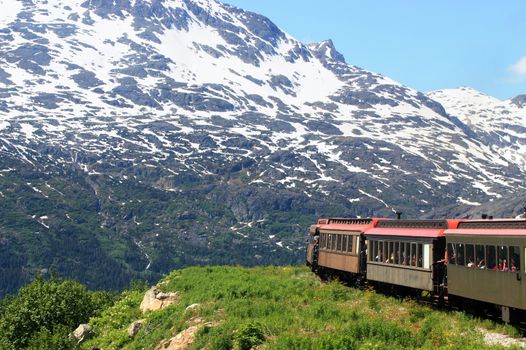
x=139, y=136
x=500, y=124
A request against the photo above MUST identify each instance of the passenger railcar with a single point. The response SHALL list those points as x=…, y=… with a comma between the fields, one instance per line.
x=486, y=263
x=338, y=245
x=407, y=253
x=474, y=264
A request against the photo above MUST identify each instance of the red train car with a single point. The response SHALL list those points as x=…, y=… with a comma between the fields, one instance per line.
x=407, y=253
x=338, y=244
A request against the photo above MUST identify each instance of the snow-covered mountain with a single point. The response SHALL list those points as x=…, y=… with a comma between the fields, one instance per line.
x=501, y=124
x=204, y=110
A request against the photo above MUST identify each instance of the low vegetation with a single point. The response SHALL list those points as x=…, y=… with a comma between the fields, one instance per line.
x=285, y=308
x=44, y=312
x=260, y=308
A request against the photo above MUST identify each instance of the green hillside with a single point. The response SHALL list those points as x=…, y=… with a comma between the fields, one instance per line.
x=282, y=308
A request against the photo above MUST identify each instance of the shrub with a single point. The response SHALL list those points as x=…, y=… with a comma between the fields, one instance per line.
x=58, y=339
x=249, y=335
x=43, y=305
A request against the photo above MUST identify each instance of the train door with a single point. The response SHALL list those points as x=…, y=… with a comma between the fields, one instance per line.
x=439, y=266
x=363, y=244
x=315, y=242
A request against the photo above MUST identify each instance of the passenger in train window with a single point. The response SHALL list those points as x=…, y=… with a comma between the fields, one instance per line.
x=452, y=256
x=505, y=265
x=470, y=253
x=481, y=264
x=513, y=265
x=380, y=257
x=479, y=256
x=441, y=266
x=503, y=258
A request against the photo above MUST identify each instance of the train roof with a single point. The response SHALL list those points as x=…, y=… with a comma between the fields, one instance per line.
x=490, y=227
x=411, y=228
x=346, y=224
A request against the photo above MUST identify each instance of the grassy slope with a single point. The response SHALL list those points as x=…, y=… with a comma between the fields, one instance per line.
x=291, y=308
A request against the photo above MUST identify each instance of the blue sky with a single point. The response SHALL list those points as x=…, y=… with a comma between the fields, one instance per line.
x=426, y=45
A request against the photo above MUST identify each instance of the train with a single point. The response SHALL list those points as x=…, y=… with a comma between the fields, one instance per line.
x=473, y=265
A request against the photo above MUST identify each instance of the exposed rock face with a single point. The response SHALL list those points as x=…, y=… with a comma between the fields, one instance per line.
x=155, y=300
x=82, y=333
x=192, y=307
x=134, y=328
x=181, y=341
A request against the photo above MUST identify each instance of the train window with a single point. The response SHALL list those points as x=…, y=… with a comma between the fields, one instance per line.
x=357, y=245
x=460, y=255
x=419, y=254
x=350, y=244
x=390, y=253
x=413, y=254
x=381, y=251
x=339, y=242
x=451, y=254
x=470, y=254
x=515, y=259
x=503, y=259
x=491, y=257
x=385, y=257
x=396, y=247
x=480, y=257
x=427, y=256
x=403, y=254
x=334, y=239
